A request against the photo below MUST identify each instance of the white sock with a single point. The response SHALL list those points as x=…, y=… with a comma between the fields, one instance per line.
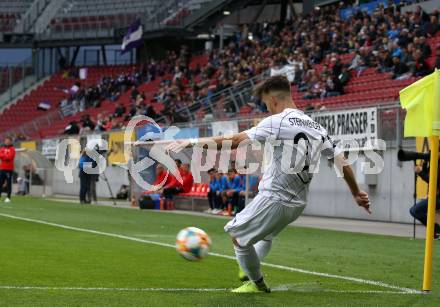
x=262, y=248
x=248, y=260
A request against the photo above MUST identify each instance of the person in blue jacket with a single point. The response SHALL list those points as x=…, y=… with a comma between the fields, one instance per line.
x=214, y=194
x=233, y=189
x=253, y=189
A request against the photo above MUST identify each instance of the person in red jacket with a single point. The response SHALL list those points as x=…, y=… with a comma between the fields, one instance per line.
x=7, y=156
x=175, y=187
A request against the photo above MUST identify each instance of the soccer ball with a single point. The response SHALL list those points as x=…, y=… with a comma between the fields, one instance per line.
x=193, y=243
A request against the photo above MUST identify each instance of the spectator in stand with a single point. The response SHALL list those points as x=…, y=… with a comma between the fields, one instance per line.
x=344, y=77
x=394, y=32
x=385, y=61
x=87, y=125
x=87, y=122
x=119, y=110
x=332, y=87
x=7, y=156
x=437, y=57
x=431, y=27
x=424, y=47
x=100, y=123
x=421, y=67
x=303, y=42
x=72, y=128
x=107, y=124
x=400, y=70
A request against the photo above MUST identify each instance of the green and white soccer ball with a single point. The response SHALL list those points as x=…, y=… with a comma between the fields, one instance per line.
x=193, y=243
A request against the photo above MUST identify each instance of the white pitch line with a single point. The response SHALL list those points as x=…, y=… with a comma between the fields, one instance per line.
x=113, y=289
x=281, y=289
x=277, y=266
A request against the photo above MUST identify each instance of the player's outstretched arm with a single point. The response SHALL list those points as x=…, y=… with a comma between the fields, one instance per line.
x=360, y=196
x=236, y=139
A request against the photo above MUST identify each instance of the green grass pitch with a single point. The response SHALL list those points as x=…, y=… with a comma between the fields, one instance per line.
x=70, y=267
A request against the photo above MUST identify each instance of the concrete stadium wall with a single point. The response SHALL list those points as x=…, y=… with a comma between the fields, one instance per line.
x=428, y=6
x=391, y=197
x=117, y=176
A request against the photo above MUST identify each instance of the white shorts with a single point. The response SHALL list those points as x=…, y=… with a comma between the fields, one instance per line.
x=262, y=219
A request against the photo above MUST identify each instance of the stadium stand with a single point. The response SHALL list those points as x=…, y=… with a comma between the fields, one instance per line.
x=90, y=14
x=10, y=13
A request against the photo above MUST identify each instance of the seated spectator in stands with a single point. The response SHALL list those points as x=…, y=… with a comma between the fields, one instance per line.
x=404, y=40
x=299, y=74
x=332, y=87
x=119, y=110
x=393, y=32
x=99, y=123
x=400, y=70
x=421, y=67
x=437, y=57
x=107, y=124
x=364, y=61
x=309, y=107
x=432, y=26
x=134, y=93
x=309, y=94
x=114, y=95
x=150, y=112
x=72, y=128
x=214, y=194
x=424, y=47
x=355, y=61
x=385, y=61
x=344, y=77
x=407, y=55
x=87, y=122
x=337, y=66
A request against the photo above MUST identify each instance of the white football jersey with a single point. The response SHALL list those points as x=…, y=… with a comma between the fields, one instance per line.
x=287, y=176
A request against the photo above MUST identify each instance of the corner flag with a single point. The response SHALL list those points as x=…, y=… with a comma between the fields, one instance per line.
x=422, y=102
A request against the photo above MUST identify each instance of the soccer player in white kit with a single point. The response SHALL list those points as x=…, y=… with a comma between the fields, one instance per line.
x=282, y=194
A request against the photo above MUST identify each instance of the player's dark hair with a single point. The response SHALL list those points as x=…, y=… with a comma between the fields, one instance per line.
x=273, y=84
x=212, y=170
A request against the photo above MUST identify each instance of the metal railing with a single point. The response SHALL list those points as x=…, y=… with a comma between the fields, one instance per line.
x=29, y=18
x=109, y=26
x=16, y=79
x=223, y=104
x=390, y=119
